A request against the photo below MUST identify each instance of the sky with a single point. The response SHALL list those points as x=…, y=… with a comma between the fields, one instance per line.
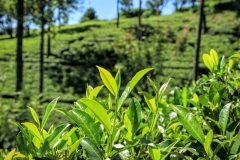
x=106, y=9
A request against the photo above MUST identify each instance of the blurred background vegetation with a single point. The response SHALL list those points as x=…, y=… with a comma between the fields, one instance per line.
x=38, y=65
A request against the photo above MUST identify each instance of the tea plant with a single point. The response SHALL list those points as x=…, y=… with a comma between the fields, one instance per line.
x=196, y=122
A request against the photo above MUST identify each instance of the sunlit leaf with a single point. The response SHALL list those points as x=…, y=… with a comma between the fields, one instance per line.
x=153, y=84
x=56, y=134
x=49, y=109
x=190, y=123
x=95, y=91
x=108, y=80
x=154, y=153
x=88, y=125
x=237, y=55
x=109, y=102
x=208, y=141
x=185, y=96
x=151, y=101
x=214, y=57
x=118, y=79
x=162, y=89
x=99, y=112
x=75, y=146
x=208, y=61
x=35, y=116
x=131, y=85
x=34, y=130
x=10, y=155
x=128, y=126
x=65, y=139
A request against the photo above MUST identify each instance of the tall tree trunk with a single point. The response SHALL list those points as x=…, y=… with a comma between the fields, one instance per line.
x=42, y=48
x=198, y=42
x=204, y=23
x=49, y=41
x=19, y=60
x=117, y=13
x=139, y=21
x=193, y=3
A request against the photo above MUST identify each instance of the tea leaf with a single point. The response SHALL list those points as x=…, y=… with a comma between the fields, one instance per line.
x=56, y=134
x=95, y=91
x=10, y=155
x=214, y=57
x=208, y=141
x=118, y=79
x=92, y=151
x=203, y=100
x=49, y=109
x=65, y=139
x=135, y=114
x=237, y=55
x=116, y=131
x=75, y=146
x=185, y=96
x=35, y=116
x=223, y=117
x=208, y=61
x=88, y=125
x=151, y=102
x=152, y=84
x=99, y=112
x=131, y=85
x=23, y=131
x=128, y=126
x=190, y=123
x=34, y=130
x=236, y=144
x=166, y=151
x=162, y=89
x=154, y=153
x=108, y=81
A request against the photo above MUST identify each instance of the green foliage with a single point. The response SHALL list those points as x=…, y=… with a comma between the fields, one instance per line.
x=90, y=14
x=197, y=122
x=167, y=46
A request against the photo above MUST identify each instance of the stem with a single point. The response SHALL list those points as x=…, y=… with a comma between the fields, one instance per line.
x=111, y=139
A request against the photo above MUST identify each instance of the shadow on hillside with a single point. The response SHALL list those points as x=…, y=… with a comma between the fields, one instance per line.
x=6, y=38
x=79, y=29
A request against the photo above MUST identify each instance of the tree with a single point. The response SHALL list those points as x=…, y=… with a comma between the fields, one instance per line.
x=44, y=15
x=19, y=60
x=90, y=14
x=117, y=13
x=8, y=10
x=154, y=5
x=139, y=21
x=198, y=41
x=127, y=4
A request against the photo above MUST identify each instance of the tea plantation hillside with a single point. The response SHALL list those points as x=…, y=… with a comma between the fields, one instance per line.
x=168, y=46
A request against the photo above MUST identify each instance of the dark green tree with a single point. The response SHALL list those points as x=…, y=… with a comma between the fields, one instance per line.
x=90, y=14
x=154, y=5
x=126, y=4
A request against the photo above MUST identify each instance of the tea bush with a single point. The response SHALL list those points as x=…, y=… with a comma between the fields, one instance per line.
x=196, y=122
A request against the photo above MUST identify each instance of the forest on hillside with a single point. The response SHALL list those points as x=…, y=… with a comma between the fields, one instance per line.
x=57, y=59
